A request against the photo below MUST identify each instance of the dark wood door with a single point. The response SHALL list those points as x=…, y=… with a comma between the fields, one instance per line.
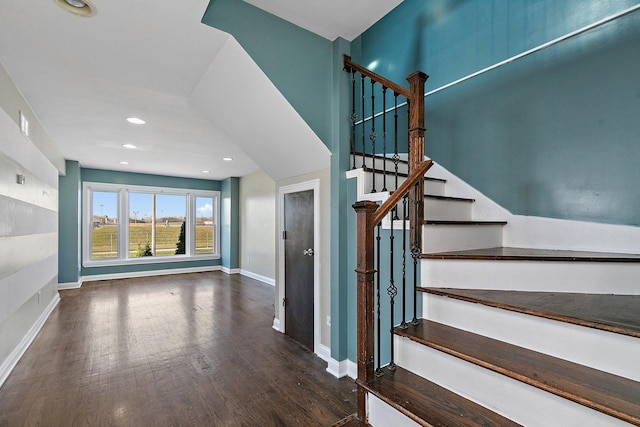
x=298, y=266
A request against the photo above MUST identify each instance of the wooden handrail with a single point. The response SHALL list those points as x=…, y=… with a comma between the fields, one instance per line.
x=350, y=65
x=403, y=190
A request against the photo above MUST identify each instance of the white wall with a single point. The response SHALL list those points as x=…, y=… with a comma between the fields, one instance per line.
x=258, y=226
x=28, y=228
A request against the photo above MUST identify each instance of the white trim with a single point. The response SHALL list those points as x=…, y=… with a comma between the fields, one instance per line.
x=70, y=285
x=263, y=279
x=352, y=368
x=295, y=188
x=230, y=270
x=336, y=368
x=122, y=192
x=521, y=55
x=149, y=273
x=12, y=360
x=276, y=324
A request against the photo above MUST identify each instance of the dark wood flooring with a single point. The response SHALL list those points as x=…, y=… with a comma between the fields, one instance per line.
x=183, y=350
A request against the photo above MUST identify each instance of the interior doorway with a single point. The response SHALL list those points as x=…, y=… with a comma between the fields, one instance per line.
x=299, y=269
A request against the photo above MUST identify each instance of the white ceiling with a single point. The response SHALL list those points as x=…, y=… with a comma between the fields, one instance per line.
x=155, y=60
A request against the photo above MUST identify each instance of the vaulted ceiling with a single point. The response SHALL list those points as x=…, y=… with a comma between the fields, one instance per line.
x=83, y=76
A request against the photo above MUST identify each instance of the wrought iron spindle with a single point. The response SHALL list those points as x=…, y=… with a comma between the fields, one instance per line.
x=396, y=157
x=378, y=281
x=363, y=136
x=372, y=135
x=416, y=250
x=405, y=203
x=353, y=117
x=392, y=290
x=384, y=138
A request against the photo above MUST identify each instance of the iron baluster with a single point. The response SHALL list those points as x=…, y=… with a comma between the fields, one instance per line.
x=372, y=135
x=364, y=166
x=384, y=138
x=405, y=202
x=378, y=281
x=392, y=291
x=415, y=252
x=396, y=157
x=353, y=117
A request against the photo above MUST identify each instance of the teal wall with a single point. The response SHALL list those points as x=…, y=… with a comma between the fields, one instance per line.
x=553, y=134
x=340, y=203
x=69, y=245
x=70, y=218
x=298, y=62
x=230, y=223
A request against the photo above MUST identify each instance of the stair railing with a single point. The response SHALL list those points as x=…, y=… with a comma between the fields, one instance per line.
x=410, y=198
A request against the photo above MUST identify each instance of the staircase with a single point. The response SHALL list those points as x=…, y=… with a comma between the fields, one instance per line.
x=507, y=336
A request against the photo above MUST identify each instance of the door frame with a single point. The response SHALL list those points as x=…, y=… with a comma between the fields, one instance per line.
x=280, y=324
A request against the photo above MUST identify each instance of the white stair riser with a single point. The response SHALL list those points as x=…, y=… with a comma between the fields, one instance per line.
x=541, y=276
x=441, y=238
x=383, y=415
x=605, y=351
x=513, y=399
x=443, y=210
x=447, y=210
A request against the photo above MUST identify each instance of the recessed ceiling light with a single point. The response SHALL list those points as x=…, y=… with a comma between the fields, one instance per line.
x=227, y=159
x=129, y=146
x=136, y=121
x=77, y=7
x=124, y=163
x=205, y=171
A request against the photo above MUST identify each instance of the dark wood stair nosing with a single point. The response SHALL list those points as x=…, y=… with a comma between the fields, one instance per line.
x=533, y=254
x=447, y=222
x=422, y=406
x=377, y=156
x=600, y=324
x=449, y=198
x=557, y=376
x=402, y=174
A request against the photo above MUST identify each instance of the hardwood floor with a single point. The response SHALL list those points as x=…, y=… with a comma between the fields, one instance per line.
x=183, y=350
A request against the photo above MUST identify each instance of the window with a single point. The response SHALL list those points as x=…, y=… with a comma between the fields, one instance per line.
x=135, y=224
x=104, y=225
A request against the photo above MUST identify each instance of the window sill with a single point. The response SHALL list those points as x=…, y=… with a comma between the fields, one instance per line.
x=148, y=260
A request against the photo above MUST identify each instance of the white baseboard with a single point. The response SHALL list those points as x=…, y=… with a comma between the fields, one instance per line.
x=13, y=359
x=149, y=273
x=70, y=285
x=337, y=368
x=230, y=270
x=255, y=276
x=276, y=324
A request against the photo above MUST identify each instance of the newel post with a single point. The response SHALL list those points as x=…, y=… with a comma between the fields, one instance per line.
x=416, y=154
x=365, y=281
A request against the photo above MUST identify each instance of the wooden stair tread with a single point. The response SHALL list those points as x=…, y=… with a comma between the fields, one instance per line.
x=445, y=222
x=604, y=392
x=614, y=313
x=449, y=198
x=402, y=174
x=430, y=404
x=378, y=157
x=351, y=421
x=529, y=254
